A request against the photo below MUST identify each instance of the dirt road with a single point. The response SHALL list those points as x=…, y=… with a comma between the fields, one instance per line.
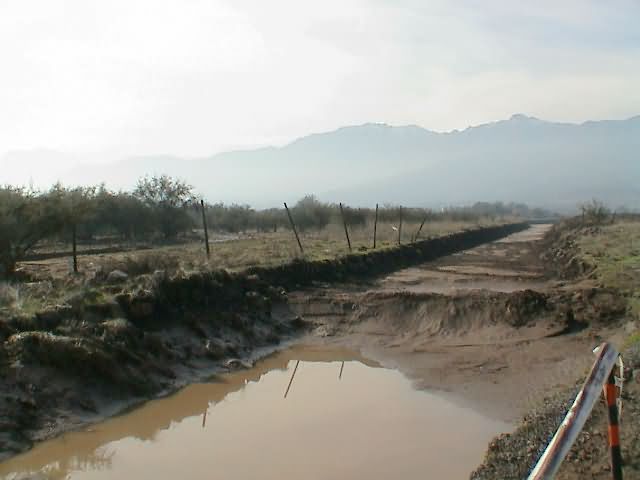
x=487, y=326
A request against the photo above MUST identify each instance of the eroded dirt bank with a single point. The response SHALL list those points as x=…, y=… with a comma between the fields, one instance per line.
x=87, y=359
x=506, y=328
x=490, y=324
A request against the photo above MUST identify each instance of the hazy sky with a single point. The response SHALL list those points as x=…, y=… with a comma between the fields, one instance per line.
x=193, y=77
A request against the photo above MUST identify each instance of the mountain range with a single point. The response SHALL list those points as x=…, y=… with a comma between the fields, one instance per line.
x=522, y=159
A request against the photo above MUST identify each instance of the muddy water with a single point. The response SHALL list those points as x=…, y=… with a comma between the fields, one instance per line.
x=344, y=418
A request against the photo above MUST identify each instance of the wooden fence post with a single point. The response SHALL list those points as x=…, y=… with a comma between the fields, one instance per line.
x=400, y=228
x=74, y=248
x=293, y=226
x=206, y=232
x=344, y=223
x=375, y=227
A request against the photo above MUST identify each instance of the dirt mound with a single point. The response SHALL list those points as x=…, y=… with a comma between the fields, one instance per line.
x=561, y=250
x=435, y=317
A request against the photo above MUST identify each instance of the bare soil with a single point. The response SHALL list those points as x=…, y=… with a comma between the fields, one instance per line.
x=489, y=325
x=111, y=346
x=498, y=328
x=506, y=328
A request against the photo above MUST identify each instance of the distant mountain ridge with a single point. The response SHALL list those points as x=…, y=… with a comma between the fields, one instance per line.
x=526, y=159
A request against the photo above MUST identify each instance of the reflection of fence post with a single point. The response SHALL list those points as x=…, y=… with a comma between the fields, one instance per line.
x=344, y=223
x=204, y=225
x=375, y=227
x=74, y=248
x=293, y=226
x=295, y=369
x=415, y=238
x=400, y=228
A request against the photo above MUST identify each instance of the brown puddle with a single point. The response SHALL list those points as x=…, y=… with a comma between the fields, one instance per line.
x=369, y=423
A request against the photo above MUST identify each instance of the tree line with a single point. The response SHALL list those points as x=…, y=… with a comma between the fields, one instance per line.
x=161, y=208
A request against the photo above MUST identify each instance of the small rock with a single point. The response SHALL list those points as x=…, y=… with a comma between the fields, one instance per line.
x=235, y=363
x=117, y=276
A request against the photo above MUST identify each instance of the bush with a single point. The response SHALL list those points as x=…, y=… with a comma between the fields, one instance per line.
x=310, y=213
x=168, y=199
x=26, y=217
x=595, y=212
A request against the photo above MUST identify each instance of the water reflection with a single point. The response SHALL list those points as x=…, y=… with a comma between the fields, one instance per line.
x=369, y=424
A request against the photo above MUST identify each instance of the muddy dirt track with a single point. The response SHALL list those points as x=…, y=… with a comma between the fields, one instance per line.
x=488, y=326
x=492, y=328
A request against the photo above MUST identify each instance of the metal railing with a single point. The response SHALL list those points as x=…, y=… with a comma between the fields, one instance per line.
x=600, y=378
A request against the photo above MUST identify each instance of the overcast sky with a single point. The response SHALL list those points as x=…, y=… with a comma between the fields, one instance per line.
x=193, y=77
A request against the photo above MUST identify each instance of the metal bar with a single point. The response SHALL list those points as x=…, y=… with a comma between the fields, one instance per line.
x=574, y=421
x=293, y=225
x=292, y=375
x=341, y=368
x=344, y=222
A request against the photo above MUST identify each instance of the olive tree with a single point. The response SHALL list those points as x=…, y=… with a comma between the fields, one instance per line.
x=168, y=199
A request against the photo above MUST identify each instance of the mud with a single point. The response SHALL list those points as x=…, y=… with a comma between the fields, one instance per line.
x=87, y=359
x=492, y=327
x=489, y=323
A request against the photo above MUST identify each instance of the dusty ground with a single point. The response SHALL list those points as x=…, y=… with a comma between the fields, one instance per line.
x=482, y=325
x=496, y=329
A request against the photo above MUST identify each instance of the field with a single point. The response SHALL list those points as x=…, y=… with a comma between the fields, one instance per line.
x=53, y=281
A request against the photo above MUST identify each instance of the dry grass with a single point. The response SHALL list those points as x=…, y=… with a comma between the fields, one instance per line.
x=615, y=252
x=254, y=249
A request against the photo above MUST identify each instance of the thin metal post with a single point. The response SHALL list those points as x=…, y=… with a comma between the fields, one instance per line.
x=204, y=225
x=375, y=227
x=344, y=223
x=574, y=421
x=400, y=228
x=415, y=238
x=293, y=226
x=74, y=248
x=341, y=368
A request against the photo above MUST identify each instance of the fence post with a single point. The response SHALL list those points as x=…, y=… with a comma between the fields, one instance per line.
x=74, y=248
x=400, y=227
x=415, y=238
x=293, y=226
x=344, y=223
x=206, y=232
x=375, y=227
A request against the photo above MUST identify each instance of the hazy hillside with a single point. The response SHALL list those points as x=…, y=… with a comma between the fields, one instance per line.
x=520, y=159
